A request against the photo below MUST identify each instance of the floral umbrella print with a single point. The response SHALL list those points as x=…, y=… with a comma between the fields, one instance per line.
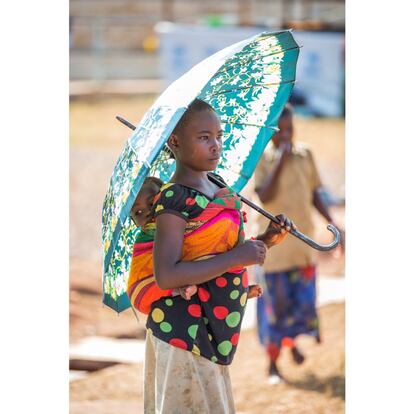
x=248, y=84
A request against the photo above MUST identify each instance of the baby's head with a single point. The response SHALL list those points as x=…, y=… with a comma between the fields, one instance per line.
x=285, y=134
x=141, y=210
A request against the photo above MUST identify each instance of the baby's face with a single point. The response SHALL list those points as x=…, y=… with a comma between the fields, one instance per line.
x=140, y=212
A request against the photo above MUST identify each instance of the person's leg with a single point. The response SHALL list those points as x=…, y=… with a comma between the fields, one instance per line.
x=297, y=355
x=273, y=352
x=264, y=327
x=304, y=308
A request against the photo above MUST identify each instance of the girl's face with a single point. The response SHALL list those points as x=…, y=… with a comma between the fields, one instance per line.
x=198, y=144
x=285, y=134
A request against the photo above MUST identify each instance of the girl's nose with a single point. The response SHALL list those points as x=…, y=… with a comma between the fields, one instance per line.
x=216, y=146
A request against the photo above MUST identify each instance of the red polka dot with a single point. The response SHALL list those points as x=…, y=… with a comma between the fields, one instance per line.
x=190, y=201
x=220, y=312
x=221, y=282
x=179, y=343
x=203, y=294
x=194, y=310
x=234, y=339
x=245, y=280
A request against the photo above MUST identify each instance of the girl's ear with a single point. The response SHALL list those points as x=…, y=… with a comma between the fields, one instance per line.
x=173, y=142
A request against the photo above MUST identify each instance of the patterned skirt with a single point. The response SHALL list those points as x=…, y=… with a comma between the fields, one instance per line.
x=288, y=306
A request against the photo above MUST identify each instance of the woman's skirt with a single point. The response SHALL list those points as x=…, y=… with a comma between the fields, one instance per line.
x=178, y=381
x=288, y=306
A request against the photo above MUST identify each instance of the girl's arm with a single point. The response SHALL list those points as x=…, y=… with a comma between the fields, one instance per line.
x=170, y=272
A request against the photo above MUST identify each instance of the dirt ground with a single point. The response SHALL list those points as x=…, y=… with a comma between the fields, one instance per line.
x=317, y=386
x=96, y=140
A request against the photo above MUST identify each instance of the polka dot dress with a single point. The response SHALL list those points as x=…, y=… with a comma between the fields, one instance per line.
x=209, y=323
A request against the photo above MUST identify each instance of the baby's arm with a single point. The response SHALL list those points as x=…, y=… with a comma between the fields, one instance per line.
x=186, y=292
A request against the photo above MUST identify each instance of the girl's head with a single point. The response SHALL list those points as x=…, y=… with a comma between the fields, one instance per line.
x=141, y=210
x=197, y=139
x=285, y=134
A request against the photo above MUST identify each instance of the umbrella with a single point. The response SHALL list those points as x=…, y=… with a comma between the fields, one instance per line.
x=248, y=84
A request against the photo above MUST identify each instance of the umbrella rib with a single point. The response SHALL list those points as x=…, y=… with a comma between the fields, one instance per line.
x=254, y=58
x=247, y=124
x=249, y=87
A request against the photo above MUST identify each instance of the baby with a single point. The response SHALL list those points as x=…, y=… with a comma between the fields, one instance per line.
x=141, y=215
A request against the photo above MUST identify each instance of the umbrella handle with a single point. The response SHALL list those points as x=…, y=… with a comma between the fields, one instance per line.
x=296, y=233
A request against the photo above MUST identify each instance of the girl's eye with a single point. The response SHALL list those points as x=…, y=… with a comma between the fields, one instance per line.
x=204, y=138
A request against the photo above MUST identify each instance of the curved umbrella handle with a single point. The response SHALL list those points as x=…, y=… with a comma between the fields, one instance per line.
x=295, y=233
x=317, y=246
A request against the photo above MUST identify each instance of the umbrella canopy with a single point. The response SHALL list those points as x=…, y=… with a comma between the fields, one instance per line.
x=247, y=84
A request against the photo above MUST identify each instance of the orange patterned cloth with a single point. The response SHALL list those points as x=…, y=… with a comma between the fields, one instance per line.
x=216, y=229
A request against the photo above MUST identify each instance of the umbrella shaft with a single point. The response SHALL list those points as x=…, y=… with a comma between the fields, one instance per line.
x=295, y=233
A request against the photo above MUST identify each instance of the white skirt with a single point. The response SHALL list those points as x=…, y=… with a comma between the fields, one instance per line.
x=178, y=381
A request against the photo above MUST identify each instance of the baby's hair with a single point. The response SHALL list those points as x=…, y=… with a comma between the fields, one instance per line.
x=287, y=111
x=196, y=106
x=153, y=180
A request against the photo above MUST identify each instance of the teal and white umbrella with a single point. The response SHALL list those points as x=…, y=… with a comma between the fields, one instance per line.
x=248, y=84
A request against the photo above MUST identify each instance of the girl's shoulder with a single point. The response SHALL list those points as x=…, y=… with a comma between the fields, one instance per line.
x=180, y=200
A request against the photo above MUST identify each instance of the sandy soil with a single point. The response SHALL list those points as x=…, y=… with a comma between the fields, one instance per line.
x=317, y=386
x=96, y=140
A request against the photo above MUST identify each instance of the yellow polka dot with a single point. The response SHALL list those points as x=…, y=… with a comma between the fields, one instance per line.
x=236, y=281
x=243, y=299
x=149, y=330
x=157, y=315
x=210, y=337
x=195, y=350
x=159, y=207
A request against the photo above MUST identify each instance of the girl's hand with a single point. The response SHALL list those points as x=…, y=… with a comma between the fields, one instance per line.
x=249, y=253
x=276, y=233
x=255, y=291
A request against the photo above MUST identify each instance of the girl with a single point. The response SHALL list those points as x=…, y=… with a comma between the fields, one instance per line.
x=287, y=178
x=199, y=240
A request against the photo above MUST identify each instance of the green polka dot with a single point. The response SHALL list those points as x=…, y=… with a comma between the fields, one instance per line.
x=233, y=319
x=214, y=359
x=184, y=213
x=234, y=294
x=168, y=302
x=205, y=321
x=192, y=331
x=236, y=281
x=201, y=201
x=157, y=315
x=224, y=347
x=165, y=327
x=169, y=193
x=243, y=299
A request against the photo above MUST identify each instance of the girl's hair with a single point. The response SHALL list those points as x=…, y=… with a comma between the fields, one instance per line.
x=196, y=106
